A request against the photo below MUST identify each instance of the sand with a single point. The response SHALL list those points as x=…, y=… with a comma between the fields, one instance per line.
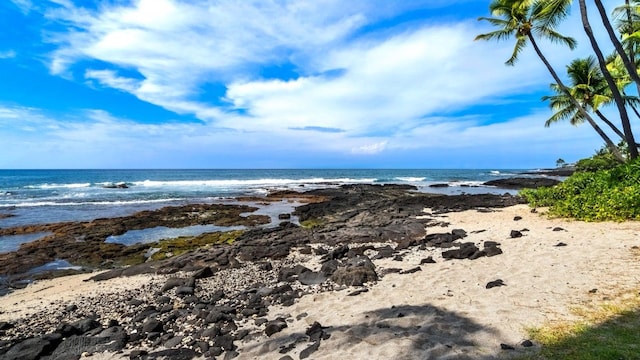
x=448, y=303
x=444, y=310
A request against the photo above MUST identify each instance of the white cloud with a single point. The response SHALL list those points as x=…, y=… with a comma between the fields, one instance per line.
x=97, y=139
x=386, y=85
x=25, y=6
x=370, y=148
x=379, y=93
x=8, y=54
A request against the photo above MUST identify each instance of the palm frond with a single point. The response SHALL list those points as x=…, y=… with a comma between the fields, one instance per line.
x=556, y=37
x=521, y=43
x=549, y=13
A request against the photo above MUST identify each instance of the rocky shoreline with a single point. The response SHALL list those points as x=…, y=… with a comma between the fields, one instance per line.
x=207, y=301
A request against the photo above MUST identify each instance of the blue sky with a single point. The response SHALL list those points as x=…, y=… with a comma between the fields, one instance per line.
x=273, y=84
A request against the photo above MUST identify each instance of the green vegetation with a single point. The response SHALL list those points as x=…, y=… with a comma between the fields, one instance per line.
x=602, y=160
x=609, y=331
x=166, y=248
x=312, y=223
x=180, y=245
x=606, y=194
x=606, y=186
x=593, y=82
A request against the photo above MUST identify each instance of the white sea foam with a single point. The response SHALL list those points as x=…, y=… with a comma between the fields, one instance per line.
x=249, y=183
x=411, y=179
x=59, y=186
x=110, y=203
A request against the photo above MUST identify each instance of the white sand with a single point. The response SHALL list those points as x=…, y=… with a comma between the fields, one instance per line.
x=447, y=303
x=443, y=311
x=38, y=295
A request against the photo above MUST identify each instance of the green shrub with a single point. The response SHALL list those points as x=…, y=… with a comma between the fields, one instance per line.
x=612, y=194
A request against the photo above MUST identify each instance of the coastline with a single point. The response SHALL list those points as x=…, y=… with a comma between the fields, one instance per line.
x=398, y=315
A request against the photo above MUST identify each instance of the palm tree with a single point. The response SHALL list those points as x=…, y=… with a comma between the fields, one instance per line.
x=622, y=79
x=523, y=19
x=618, y=99
x=628, y=25
x=633, y=33
x=589, y=87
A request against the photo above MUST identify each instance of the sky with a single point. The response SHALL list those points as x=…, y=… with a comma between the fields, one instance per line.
x=274, y=84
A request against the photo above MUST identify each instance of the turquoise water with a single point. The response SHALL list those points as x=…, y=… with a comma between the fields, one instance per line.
x=47, y=196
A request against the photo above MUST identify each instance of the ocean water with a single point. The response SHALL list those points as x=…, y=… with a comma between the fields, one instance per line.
x=29, y=197
x=48, y=196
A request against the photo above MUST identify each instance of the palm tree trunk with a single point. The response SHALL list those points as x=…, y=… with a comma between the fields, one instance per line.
x=635, y=110
x=610, y=145
x=631, y=67
x=611, y=125
x=630, y=21
x=624, y=117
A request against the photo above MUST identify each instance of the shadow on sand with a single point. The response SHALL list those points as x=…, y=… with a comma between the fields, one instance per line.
x=398, y=332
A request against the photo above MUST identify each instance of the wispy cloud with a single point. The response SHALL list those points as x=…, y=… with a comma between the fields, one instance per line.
x=353, y=89
x=370, y=148
x=25, y=6
x=8, y=54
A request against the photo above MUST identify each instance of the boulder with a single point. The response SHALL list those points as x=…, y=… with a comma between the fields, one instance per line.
x=355, y=272
x=33, y=348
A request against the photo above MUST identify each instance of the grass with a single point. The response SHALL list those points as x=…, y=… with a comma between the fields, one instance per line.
x=610, y=330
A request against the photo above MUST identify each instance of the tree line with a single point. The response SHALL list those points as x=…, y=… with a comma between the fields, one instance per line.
x=592, y=82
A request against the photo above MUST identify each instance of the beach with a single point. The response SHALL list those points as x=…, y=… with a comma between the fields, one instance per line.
x=366, y=283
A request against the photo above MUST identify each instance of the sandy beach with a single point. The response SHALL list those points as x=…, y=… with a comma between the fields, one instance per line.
x=444, y=309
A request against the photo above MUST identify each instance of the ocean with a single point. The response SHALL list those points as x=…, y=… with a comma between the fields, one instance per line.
x=48, y=196
x=29, y=197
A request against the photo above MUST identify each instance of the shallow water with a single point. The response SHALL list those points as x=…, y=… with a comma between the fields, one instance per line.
x=11, y=243
x=158, y=233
